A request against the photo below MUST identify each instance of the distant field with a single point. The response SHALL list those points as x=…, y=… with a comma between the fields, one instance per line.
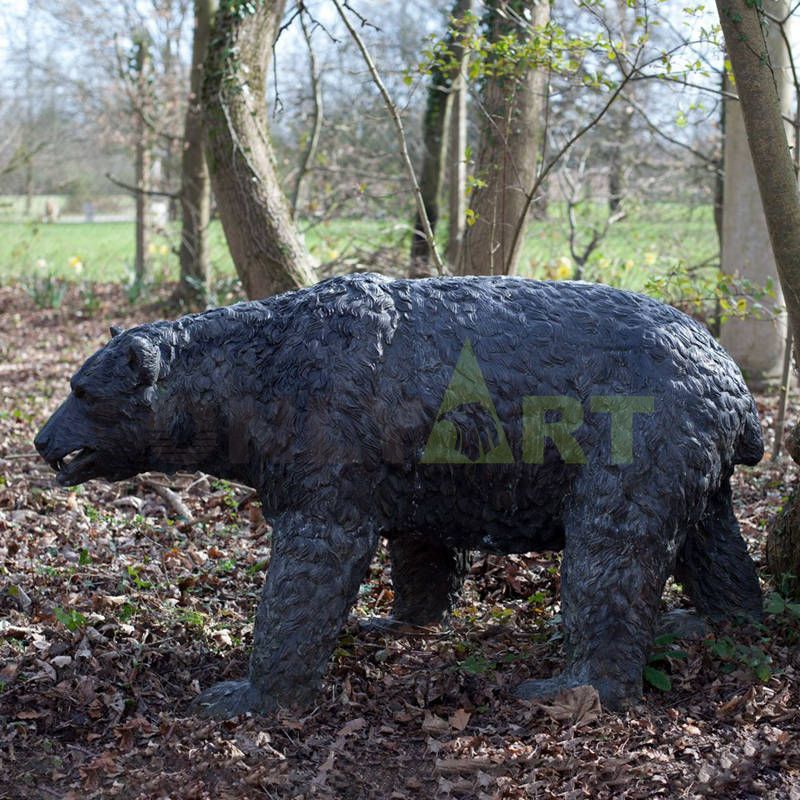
x=13, y=207
x=651, y=241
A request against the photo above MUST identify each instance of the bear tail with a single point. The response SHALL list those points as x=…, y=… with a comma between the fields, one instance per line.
x=749, y=448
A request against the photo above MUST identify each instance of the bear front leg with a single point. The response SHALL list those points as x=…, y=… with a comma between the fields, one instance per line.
x=426, y=577
x=312, y=582
x=617, y=557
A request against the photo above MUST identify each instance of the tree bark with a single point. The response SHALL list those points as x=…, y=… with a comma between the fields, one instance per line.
x=757, y=342
x=195, y=180
x=777, y=183
x=434, y=128
x=766, y=137
x=457, y=170
x=508, y=151
x=616, y=171
x=143, y=158
x=719, y=175
x=266, y=247
x=622, y=114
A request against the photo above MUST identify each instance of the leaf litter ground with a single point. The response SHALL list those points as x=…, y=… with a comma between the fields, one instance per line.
x=119, y=602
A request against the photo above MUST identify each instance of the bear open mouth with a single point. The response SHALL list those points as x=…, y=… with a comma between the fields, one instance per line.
x=74, y=467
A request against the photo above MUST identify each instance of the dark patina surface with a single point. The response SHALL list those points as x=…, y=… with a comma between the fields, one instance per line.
x=325, y=400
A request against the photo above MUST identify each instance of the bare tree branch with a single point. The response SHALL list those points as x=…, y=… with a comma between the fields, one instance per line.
x=136, y=190
x=401, y=134
x=313, y=140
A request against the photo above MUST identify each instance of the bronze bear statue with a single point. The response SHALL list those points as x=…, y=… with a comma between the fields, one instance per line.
x=446, y=415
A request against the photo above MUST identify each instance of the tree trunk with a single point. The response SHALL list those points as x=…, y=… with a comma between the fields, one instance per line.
x=434, y=143
x=169, y=159
x=757, y=342
x=766, y=136
x=142, y=167
x=616, y=171
x=457, y=170
x=508, y=151
x=195, y=180
x=267, y=250
x=719, y=174
x=627, y=15
x=774, y=170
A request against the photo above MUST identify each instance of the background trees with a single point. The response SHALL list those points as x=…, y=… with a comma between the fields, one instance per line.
x=512, y=127
x=266, y=249
x=195, y=180
x=617, y=163
x=757, y=343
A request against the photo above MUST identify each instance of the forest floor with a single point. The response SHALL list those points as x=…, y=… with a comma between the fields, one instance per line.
x=115, y=609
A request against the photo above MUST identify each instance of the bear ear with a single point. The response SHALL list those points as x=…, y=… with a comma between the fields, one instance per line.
x=144, y=360
x=116, y=330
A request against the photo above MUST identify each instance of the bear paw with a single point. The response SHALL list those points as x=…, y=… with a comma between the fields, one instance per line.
x=389, y=626
x=543, y=688
x=229, y=699
x=614, y=694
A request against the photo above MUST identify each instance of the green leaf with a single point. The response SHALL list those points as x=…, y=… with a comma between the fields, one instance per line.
x=70, y=619
x=657, y=678
x=763, y=672
x=476, y=664
x=775, y=604
x=664, y=640
x=793, y=608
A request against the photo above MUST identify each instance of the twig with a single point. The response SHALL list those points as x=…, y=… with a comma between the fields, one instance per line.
x=597, y=233
x=365, y=23
x=659, y=131
x=401, y=135
x=136, y=190
x=531, y=195
x=170, y=497
x=786, y=379
x=313, y=140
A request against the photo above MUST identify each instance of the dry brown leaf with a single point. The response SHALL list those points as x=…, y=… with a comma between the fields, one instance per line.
x=30, y=714
x=222, y=637
x=352, y=726
x=114, y=600
x=435, y=725
x=578, y=706
x=736, y=702
x=459, y=719
x=456, y=766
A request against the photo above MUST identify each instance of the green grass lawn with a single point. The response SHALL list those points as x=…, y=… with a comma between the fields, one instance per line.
x=650, y=242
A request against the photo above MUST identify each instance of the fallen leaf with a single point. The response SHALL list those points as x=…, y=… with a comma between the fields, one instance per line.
x=455, y=766
x=222, y=637
x=352, y=726
x=578, y=706
x=434, y=725
x=459, y=719
x=30, y=714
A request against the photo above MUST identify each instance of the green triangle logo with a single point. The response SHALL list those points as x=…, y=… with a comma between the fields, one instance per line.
x=467, y=429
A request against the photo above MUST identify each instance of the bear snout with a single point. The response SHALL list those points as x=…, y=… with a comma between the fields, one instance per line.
x=62, y=434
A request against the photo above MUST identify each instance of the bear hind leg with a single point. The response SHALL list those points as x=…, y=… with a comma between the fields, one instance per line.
x=714, y=566
x=617, y=557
